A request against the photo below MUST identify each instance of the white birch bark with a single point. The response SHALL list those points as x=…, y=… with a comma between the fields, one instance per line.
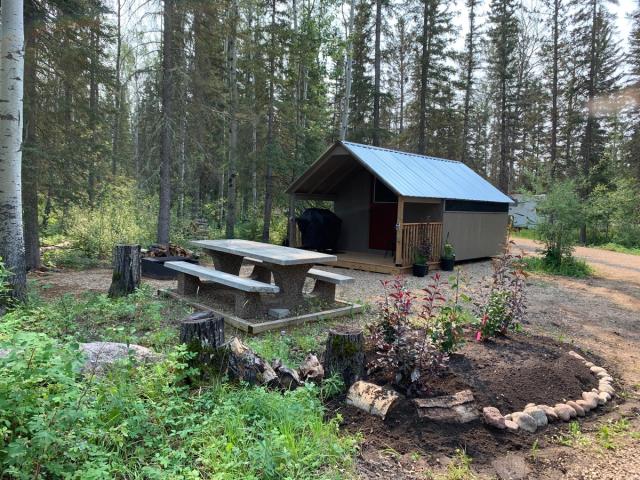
x=11, y=86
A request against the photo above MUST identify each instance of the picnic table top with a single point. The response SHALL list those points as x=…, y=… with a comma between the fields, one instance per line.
x=266, y=252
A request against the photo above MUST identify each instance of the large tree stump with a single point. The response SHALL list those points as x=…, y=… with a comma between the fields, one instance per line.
x=344, y=354
x=203, y=333
x=126, y=270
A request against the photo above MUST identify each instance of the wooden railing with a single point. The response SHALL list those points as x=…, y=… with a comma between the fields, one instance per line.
x=413, y=234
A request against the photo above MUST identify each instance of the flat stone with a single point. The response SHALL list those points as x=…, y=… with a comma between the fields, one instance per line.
x=596, y=369
x=511, y=467
x=591, y=398
x=101, y=355
x=564, y=411
x=579, y=410
x=551, y=414
x=279, y=313
x=371, y=398
x=586, y=406
x=457, y=408
x=525, y=421
x=493, y=417
x=577, y=355
x=446, y=401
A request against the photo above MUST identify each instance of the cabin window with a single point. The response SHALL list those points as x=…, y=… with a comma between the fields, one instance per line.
x=470, y=206
x=382, y=193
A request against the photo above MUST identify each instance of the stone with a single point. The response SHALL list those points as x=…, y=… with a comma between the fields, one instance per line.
x=589, y=364
x=493, y=418
x=538, y=415
x=279, y=313
x=525, y=421
x=577, y=355
x=508, y=416
x=311, y=369
x=529, y=405
x=371, y=398
x=511, y=466
x=564, y=411
x=511, y=425
x=586, y=406
x=551, y=414
x=596, y=369
x=579, y=410
x=607, y=378
x=101, y=355
x=605, y=387
x=457, y=408
x=603, y=398
x=591, y=398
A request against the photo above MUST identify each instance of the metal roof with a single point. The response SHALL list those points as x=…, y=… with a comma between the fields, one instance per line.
x=412, y=175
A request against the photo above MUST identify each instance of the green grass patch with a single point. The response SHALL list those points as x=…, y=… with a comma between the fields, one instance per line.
x=569, y=267
x=616, y=247
x=71, y=258
x=150, y=423
x=529, y=233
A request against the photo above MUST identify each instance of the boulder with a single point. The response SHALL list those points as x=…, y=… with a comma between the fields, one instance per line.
x=538, y=415
x=577, y=355
x=493, y=417
x=579, y=410
x=525, y=421
x=551, y=414
x=511, y=426
x=591, y=398
x=603, y=398
x=589, y=364
x=586, y=406
x=564, y=411
x=597, y=370
x=605, y=387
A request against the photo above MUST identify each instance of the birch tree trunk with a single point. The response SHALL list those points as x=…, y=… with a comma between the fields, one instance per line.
x=11, y=86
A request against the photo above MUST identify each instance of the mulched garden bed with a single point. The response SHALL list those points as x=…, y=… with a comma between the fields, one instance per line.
x=506, y=373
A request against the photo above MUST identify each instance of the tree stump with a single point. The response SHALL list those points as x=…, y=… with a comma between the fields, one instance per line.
x=344, y=355
x=203, y=333
x=126, y=270
x=246, y=366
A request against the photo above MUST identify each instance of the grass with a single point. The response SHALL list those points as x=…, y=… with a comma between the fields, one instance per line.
x=458, y=469
x=570, y=267
x=616, y=247
x=528, y=233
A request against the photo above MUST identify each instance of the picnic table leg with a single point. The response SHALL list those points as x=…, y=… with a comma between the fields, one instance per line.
x=226, y=262
x=290, y=279
x=261, y=274
x=325, y=291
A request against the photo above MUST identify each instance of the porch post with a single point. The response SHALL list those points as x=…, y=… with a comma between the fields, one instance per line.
x=399, y=223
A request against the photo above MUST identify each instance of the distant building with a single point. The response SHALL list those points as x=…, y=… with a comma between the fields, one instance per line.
x=523, y=212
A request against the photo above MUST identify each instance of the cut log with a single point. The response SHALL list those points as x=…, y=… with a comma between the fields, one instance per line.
x=126, y=270
x=344, y=355
x=246, y=366
x=371, y=398
x=311, y=369
x=203, y=333
x=288, y=378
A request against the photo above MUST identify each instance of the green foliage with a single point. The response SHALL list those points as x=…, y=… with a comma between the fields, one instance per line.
x=146, y=423
x=120, y=216
x=614, y=247
x=4, y=282
x=561, y=215
x=570, y=267
x=138, y=318
x=289, y=346
x=449, y=251
x=613, y=213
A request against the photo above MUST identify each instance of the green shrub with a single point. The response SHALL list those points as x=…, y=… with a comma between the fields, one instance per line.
x=570, y=267
x=146, y=422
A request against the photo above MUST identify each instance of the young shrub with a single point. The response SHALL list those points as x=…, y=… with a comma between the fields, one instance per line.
x=505, y=304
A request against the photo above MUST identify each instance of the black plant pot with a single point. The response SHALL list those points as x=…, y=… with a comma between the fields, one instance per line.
x=447, y=264
x=420, y=270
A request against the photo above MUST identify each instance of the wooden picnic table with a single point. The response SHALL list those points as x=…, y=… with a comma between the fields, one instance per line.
x=289, y=266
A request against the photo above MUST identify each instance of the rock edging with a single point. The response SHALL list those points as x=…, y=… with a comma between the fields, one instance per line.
x=535, y=416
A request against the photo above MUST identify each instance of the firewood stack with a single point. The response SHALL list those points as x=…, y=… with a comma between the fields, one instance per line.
x=170, y=250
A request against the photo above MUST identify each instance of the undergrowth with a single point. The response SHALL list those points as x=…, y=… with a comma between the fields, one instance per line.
x=148, y=423
x=569, y=267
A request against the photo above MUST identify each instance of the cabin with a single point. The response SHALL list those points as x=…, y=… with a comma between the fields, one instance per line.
x=391, y=201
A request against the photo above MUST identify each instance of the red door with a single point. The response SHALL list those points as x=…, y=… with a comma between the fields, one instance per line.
x=382, y=226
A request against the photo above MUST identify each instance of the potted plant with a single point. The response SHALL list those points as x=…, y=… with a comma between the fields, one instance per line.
x=448, y=259
x=421, y=260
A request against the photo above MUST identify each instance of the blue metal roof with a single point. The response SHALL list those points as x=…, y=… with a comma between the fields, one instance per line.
x=412, y=175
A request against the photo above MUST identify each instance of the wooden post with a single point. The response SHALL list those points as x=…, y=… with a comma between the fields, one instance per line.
x=126, y=270
x=399, y=224
x=344, y=354
x=292, y=221
x=203, y=333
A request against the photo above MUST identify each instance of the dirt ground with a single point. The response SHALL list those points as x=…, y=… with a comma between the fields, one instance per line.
x=600, y=315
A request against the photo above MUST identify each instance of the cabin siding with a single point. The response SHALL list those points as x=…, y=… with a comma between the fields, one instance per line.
x=352, y=207
x=475, y=234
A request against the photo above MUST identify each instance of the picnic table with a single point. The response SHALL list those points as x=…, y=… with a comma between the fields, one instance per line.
x=289, y=266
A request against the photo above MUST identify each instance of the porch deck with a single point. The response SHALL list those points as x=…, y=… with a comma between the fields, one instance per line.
x=373, y=262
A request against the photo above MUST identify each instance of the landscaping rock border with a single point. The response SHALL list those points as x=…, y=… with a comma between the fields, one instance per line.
x=531, y=418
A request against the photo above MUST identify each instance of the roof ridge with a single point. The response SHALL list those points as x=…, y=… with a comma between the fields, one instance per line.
x=373, y=147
